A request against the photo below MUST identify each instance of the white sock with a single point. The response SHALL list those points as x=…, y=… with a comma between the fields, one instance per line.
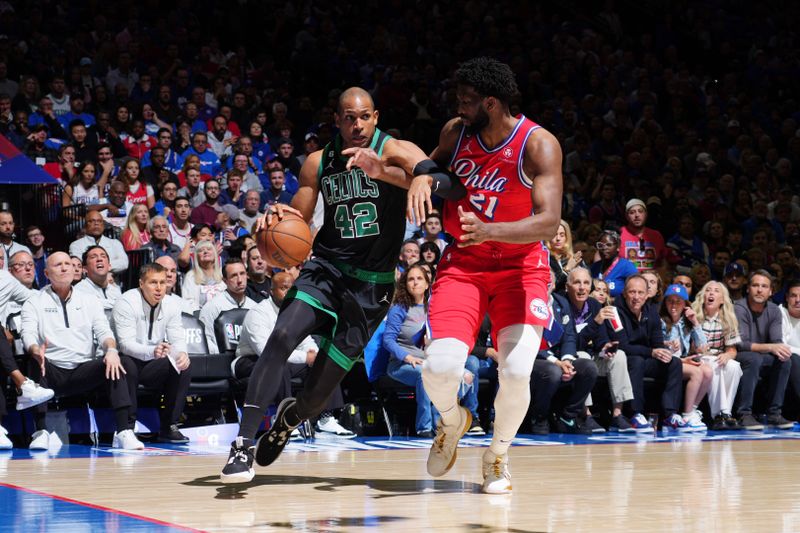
x=441, y=375
x=517, y=348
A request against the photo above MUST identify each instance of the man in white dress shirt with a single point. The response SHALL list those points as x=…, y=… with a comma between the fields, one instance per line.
x=235, y=276
x=97, y=266
x=790, y=313
x=94, y=236
x=150, y=333
x=59, y=328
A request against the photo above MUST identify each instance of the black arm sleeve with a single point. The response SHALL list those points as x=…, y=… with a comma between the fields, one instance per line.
x=445, y=184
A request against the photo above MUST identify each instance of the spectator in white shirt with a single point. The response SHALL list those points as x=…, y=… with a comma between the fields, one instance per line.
x=98, y=281
x=10, y=247
x=150, y=332
x=12, y=295
x=204, y=281
x=235, y=276
x=790, y=312
x=59, y=328
x=94, y=236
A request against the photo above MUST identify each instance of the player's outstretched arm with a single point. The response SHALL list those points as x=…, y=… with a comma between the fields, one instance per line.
x=543, y=164
x=432, y=177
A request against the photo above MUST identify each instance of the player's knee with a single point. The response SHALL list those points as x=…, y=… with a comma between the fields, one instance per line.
x=445, y=359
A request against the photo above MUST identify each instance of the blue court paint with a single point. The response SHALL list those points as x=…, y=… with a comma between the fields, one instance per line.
x=26, y=510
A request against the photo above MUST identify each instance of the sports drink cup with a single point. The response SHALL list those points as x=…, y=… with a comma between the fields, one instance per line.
x=616, y=323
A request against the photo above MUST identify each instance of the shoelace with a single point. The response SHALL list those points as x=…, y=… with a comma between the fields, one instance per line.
x=497, y=468
x=239, y=455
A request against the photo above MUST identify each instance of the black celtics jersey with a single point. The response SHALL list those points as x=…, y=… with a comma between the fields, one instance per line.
x=364, y=218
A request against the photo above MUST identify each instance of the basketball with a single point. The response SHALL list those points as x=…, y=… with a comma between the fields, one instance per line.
x=286, y=242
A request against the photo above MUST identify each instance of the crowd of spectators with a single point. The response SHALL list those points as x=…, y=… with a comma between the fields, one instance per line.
x=679, y=130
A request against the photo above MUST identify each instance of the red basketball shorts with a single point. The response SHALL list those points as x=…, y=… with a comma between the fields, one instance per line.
x=513, y=290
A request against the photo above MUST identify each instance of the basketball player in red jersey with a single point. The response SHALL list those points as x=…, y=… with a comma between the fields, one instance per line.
x=511, y=169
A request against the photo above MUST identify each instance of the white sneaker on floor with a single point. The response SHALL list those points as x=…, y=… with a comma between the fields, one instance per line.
x=126, y=440
x=443, y=452
x=40, y=440
x=31, y=393
x=694, y=422
x=5, y=442
x=328, y=426
x=496, y=479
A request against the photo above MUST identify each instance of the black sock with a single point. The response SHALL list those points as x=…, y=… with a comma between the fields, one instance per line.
x=251, y=421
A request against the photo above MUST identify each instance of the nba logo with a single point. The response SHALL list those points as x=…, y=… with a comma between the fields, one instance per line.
x=508, y=152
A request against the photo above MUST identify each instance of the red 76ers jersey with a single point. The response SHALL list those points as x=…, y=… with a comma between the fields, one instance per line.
x=497, y=188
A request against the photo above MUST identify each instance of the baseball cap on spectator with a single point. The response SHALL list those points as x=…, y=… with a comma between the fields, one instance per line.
x=232, y=211
x=634, y=202
x=678, y=290
x=85, y=61
x=654, y=200
x=311, y=135
x=734, y=268
x=733, y=123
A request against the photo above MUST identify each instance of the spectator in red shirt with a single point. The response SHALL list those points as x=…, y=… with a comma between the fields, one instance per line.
x=138, y=142
x=639, y=244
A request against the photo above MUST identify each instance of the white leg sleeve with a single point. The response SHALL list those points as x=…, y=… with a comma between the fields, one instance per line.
x=442, y=373
x=517, y=348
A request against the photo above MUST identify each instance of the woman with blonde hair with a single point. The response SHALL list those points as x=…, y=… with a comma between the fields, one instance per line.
x=562, y=258
x=204, y=280
x=136, y=233
x=714, y=309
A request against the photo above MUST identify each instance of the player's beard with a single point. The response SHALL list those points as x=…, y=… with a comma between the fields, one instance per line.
x=480, y=121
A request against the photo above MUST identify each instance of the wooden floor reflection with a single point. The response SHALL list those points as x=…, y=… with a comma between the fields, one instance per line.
x=732, y=486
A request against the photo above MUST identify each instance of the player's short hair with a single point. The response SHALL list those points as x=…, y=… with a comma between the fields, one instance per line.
x=489, y=77
x=151, y=268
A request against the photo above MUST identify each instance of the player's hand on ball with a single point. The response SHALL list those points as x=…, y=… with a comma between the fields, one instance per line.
x=419, y=199
x=366, y=159
x=475, y=230
x=275, y=210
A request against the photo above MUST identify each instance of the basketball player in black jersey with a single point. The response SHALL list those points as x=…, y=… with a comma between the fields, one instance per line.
x=344, y=292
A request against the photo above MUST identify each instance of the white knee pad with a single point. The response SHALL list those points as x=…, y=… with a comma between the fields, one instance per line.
x=445, y=358
x=517, y=346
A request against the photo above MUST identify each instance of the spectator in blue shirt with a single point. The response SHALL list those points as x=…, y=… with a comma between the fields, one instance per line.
x=612, y=268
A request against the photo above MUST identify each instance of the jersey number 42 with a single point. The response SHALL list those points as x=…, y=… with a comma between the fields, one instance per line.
x=361, y=221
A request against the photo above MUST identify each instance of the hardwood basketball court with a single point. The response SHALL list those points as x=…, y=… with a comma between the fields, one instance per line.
x=606, y=483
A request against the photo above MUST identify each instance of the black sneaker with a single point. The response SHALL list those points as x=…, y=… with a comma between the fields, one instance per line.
x=540, y=426
x=720, y=423
x=475, y=429
x=172, y=435
x=271, y=444
x=731, y=423
x=593, y=425
x=749, y=423
x=570, y=426
x=240, y=462
x=620, y=424
x=778, y=422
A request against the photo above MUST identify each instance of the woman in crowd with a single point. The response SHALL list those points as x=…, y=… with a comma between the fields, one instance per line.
x=82, y=188
x=139, y=192
x=714, y=310
x=684, y=335
x=562, y=258
x=600, y=291
x=700, y=274
x=136, y=233
x=204, y=280
x=611, y=268
x=404, y=338
x=655, y=287
x=122, y=122
x=430, y=254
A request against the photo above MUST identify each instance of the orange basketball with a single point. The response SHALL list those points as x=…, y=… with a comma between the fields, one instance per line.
x=285, y=243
